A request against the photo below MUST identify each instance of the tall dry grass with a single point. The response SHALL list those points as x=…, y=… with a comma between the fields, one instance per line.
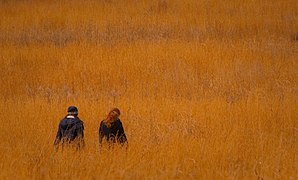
x=207, y=89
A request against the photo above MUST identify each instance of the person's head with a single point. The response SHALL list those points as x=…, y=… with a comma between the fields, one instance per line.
x=72, y=110
x=112, y=116
x=114, y=113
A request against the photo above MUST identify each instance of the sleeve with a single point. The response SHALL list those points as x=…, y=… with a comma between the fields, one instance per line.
x=80, y=133
x=100, y=133
x=121, y=135
x=58, y=135
x=81, y=130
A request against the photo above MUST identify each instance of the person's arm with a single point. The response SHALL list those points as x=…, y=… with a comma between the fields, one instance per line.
x=100, y=133
x=81, y=134
x=80, y=130
x=121, y=135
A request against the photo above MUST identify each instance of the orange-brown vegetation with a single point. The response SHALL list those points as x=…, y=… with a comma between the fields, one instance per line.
x=206, y=89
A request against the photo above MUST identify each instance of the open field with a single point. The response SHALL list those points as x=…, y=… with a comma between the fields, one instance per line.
x=207, y=89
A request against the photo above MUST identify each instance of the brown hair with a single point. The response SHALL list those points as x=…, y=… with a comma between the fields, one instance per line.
x=112, y=117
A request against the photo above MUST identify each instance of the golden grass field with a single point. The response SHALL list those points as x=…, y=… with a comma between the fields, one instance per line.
x=207, y=89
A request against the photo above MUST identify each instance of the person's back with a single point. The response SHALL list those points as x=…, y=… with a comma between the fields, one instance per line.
x=70, y=130
x=111, y=128
x=114, y=133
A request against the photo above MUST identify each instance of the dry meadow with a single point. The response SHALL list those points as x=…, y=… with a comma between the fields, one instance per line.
x=207, y=89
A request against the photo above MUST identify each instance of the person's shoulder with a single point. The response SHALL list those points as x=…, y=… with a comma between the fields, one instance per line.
x=118, y=122
x=102, y=123
x=79, y=120
x=63, y=120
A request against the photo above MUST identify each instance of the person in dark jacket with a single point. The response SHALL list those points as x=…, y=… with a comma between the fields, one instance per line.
x=111, y=129
x=70, y=130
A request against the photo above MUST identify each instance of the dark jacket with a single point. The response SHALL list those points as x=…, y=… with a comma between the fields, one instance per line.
x=70, y=129
x=113, y=134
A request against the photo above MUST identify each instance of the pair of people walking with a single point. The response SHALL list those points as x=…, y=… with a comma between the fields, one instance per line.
x=71, y=129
